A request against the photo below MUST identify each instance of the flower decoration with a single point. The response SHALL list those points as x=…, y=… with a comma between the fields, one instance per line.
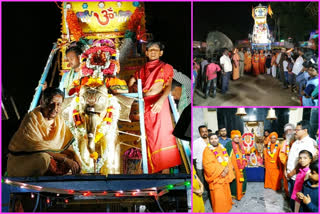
x=99, y=58
x=134, y=23
x=107, y=128
x=88, y=81
x=222, y=160
x=94, y=155
x=74, y=25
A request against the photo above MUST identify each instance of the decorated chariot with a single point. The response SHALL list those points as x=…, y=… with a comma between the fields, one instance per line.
x=261, y=37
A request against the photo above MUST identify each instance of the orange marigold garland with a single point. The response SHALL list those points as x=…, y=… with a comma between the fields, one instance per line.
x=74, y=25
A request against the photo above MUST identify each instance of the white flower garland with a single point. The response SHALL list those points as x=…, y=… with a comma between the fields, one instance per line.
x=108, y=130
x=224, y=151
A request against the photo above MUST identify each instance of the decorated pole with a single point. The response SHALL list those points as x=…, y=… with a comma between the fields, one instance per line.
x=142, y=128
x=36, y=96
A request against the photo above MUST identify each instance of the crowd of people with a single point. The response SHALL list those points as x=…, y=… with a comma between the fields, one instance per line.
x=296, y=69
x=220, y=167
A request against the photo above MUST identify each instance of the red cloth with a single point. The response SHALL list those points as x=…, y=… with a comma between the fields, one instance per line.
x=212, y=71
x=162, y=147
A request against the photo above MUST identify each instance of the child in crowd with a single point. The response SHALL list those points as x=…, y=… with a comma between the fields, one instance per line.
x=309, y=195
x=305, y=158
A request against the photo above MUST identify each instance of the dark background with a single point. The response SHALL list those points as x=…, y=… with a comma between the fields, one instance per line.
x=227, y=118
x=29, y=30
x=234, y=19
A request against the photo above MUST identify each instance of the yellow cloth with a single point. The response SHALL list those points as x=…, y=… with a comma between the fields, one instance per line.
x=198, y=205
x=34, y=134
x=115, y=83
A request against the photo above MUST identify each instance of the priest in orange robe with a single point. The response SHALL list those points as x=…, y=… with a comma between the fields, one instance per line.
x=156, y=77
x=255, y=63
x=247, y=61
x=218, y=172
x=262, y=62
x=272, y=163
x=235, y=65
x=237, y=154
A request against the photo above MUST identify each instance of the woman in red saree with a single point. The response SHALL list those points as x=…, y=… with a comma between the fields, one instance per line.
x=156, y=77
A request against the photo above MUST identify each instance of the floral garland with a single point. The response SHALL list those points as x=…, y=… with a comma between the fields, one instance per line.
x=108, y=128
x=240, y=164
x=287, y=149
x=88, y=81
x=223, y=161
x=273, y=152
x=74, y=25
x=107, y=42
x=98, y=59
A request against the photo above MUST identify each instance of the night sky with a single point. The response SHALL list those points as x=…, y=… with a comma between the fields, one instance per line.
x=29, y=30
x=233, y=18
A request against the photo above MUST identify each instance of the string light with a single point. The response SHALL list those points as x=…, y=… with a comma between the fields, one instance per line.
x=143, y=192
x=66, y=200
x=170, y=186
x=152, y=193
x=86, y=193
x=117, y=194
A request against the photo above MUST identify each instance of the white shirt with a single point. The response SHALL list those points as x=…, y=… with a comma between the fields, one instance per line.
x=297, y=67
x=198, y=147
x=307, y=143
x=285, y=64
x=226, y=62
